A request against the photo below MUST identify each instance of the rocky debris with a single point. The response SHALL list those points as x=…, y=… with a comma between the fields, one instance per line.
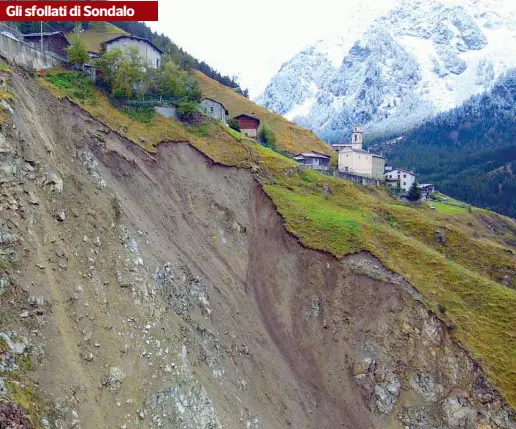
x=13, y=416
x=387, y=393
x=426, y=385
x=7, y=106
x=440, y=237
x=458, y=413
x=61, y=216
x=293, y=171
x=5, y=147
x=185, y=405
x=33, y=198
x=54, y=182
x=5, y=282
x=431, y=368
x=38, y=303
x=184, y=292
x=12, y=346
x=114, y=379
x=315, y=307
x=327, y=190
x=7, y=238
x=92, y=167
x=507, y=280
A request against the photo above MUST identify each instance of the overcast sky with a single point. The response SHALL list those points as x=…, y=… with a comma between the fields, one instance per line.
x=252, y=39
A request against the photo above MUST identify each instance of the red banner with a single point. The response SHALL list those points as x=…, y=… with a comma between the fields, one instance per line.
x=78, y=10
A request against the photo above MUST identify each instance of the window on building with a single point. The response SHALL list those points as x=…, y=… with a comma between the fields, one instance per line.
x=356, y=137
x=404, y=176
x=404, y=183
x=157, y=63
x=211, y=109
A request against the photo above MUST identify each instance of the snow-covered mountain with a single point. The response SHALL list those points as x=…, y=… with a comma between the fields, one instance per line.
x=420, y=58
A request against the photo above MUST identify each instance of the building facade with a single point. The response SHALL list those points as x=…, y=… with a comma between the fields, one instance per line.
x=248, y=125
x=353, y=159
x=54, y=42
x=403, y=177
x=147, y=50
x=314, y=160
x=214, y=109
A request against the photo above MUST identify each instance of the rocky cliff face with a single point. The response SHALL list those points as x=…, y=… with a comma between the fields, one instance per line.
x=161, y=290
x=419, y=59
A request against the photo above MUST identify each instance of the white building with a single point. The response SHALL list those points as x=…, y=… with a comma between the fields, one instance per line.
x=403, y=177
x=354, y=159
x=147, y=50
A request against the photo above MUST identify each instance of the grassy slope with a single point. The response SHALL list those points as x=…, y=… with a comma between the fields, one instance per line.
x=459, y=279
x=95, y=36
x=290, y=136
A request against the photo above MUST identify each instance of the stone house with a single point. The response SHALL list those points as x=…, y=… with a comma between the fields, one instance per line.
x=248, y=125
x=214, y=109
x=147, y=50
x=54, y=43
x=314, y=160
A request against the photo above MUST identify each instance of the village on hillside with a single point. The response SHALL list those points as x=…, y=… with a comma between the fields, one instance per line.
x=364, y=167
x=354, y=163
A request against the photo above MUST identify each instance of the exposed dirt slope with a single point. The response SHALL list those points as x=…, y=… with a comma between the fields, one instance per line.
x=173, y=297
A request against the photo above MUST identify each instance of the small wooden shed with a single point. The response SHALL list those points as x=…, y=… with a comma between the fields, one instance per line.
x=54, y=42
x=248, y=125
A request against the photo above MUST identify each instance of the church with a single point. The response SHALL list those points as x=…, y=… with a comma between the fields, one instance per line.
x=353, y=159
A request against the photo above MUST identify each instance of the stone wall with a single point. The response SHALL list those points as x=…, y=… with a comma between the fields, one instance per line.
x=355, y=178
x=167, y=112
x=24, y=55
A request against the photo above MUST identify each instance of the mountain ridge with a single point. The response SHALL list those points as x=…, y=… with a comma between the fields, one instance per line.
x=419, y=59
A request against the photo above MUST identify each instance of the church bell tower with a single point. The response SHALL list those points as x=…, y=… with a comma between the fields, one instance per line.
x=358, y=137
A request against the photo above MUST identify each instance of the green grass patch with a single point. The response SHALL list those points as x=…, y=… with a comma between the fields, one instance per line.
x=448, y=208
x=100, y=32
x=5, y=68
x=199, y=130
x=73, y=84
x=143, y=114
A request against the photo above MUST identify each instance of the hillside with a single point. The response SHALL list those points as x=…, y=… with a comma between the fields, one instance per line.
x=197, y=279
x=290, y=137
x=468, y=152
x=97, y=34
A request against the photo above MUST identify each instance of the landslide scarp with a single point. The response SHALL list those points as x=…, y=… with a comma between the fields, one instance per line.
x=173, y=296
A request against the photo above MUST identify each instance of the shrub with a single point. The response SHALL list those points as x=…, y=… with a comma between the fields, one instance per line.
x=267, y=137
x=187, y=110
x=233, y=124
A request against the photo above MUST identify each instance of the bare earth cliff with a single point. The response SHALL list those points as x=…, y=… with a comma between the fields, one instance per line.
x=162, y=290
